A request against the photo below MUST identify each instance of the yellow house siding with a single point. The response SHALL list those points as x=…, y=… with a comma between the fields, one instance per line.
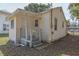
x=20, y=24
x=12, y=32
x=46, y=27
x=49, y=34
x=60, y=32
x=27, y=22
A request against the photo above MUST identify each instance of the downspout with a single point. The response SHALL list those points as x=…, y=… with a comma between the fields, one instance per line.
x=51, y=19
x=51, y=24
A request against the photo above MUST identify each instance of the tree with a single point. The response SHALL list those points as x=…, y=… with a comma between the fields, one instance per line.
x=74, y=10
x=35, y=7
x=67, y=22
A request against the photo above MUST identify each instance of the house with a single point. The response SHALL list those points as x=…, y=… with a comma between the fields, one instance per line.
x=29, y=28
x=4, y=24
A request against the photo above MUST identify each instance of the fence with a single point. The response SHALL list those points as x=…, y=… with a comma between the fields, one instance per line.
x=73, y=30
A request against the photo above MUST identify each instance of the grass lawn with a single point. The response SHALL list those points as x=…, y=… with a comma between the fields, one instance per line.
x=3, y=40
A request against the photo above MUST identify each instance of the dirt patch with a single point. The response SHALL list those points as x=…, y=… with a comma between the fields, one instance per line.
x=66, y=46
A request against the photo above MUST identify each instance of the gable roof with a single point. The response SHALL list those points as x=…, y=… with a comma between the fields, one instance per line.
x=51, y=9
x=5, y=12
x=22, y=11
x=33, y=13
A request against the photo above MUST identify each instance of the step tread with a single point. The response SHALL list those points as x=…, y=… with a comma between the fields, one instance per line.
x=36, y=42
x=36, y=45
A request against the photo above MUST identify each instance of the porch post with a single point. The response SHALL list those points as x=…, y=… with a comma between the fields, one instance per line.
x=26, y=29
x=30, y=43
x=39, y=35
x=30, y=38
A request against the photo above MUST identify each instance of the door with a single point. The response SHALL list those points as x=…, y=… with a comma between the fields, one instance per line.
x=22, y=33
x=36, y=31
x=35, y=34
x=22, y=36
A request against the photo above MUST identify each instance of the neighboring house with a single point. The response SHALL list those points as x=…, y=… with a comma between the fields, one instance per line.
x=4, y=23
x=29, y=28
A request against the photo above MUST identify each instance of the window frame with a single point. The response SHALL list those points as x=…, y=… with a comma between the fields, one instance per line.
x=36, y=23
x=12, y=24
x=63, y=24
x=55, y=23
x=4, y=27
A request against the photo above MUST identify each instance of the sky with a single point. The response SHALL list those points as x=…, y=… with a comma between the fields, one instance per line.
x=65, y=9
x=10, y=7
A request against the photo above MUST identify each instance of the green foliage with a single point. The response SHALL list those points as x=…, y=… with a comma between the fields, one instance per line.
x=35, y=7
x=67, y=22
x=74, y=9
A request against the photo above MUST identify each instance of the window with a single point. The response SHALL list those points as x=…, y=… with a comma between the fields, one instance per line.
x=4, y=27
x=7, y=25
x=36, y=23
x=62, y=24
x=12, y=24
x=60, y=10
x=55, y=24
